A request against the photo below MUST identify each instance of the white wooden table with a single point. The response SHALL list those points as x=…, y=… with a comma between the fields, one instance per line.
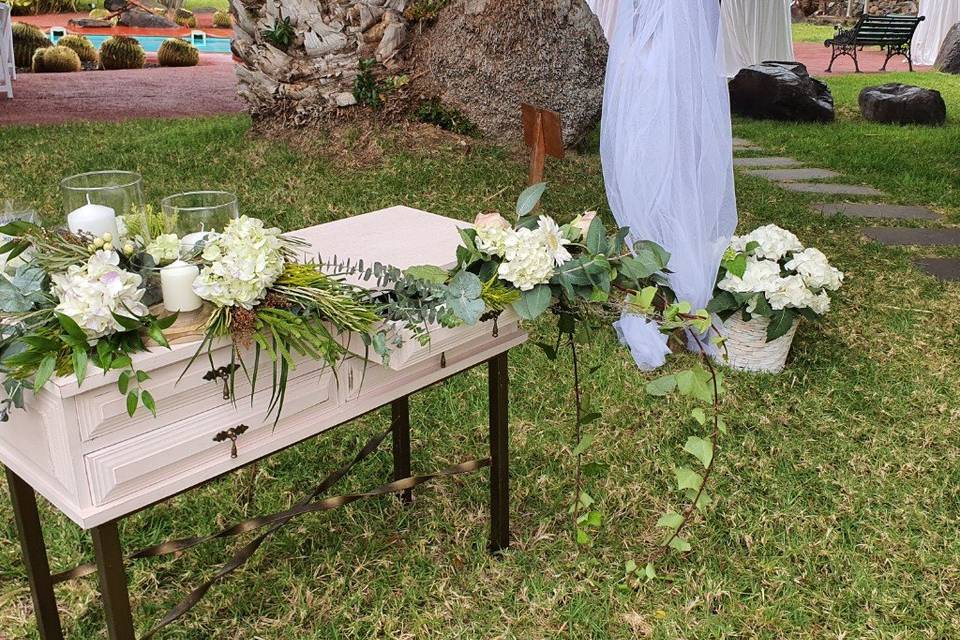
x=77, y=447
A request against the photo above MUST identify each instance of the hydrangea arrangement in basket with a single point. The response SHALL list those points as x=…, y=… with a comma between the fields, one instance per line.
x=767, y=281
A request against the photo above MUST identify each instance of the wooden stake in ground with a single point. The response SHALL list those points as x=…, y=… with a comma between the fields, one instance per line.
x=543, y=133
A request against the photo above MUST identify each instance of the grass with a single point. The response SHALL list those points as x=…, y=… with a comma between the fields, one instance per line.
x=806, y=32
x=837, y=484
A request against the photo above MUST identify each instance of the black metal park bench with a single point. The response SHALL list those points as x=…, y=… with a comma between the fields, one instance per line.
x=892, y=33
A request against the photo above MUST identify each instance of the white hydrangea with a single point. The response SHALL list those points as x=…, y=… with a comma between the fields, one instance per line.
x=529, y=261
x=760, y=276
x=791, y=292
x=774, y=242
x=820, y=304
x=90, y=294
x=492, y=232
x=164, y=249
x=245, y=260
x=552, y=237
x=815, y=268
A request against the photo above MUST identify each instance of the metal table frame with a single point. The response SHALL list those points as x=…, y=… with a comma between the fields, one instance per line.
x=109, y=551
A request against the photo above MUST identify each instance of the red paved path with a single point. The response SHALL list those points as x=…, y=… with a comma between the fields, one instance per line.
x=49, y=98
x=817, y=59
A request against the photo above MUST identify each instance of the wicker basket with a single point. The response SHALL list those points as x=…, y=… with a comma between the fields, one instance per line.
x=747, y=348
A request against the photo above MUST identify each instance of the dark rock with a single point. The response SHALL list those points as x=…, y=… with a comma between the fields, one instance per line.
x=140, y=18
x=948, y=61
x=90, y=23
x=903, y=104
x=114, y=5
x=781, y=91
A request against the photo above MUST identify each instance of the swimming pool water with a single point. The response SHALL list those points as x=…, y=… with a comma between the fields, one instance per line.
x=152, y=43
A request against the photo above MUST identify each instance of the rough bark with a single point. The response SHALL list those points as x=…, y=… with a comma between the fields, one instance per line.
x=482, y=57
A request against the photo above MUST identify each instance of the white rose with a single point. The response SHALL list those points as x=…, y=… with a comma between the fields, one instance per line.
x=492, y=232
x=583, y=222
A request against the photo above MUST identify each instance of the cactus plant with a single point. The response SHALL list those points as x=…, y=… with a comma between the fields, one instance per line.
x=121, y=52
x=27, y=39
x=185, y=18
x=98, y=14
x=175, y=52
x=222, y=20
x=36, y=64
x=81, y=45
x=56, y=60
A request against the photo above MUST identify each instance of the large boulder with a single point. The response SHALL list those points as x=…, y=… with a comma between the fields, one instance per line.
x=145, y=19
x=948, y=61
x=781, y=91
x=486, y=57
x=896, y=103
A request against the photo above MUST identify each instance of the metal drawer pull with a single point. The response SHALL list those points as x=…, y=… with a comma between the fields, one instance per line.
x=222, y=373
x=231, y=434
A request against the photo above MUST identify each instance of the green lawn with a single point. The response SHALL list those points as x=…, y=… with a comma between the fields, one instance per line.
x=838, y=483
x=806, y=32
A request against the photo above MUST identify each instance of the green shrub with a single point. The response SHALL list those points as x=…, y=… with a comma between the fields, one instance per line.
x=27, y=39
x=56, y=60
x=222, y=20
x=98, y=14
x=175, y=52
x=436, y=113
x=81, y=45
x=424, y=9
x=121, y=52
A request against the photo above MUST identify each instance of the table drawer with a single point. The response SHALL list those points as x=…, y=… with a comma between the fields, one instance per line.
x=190, y=447
x=103, y=412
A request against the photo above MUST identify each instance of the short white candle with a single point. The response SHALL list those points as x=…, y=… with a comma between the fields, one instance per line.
x=176, y=282
x=96, y=219
x=190, y=240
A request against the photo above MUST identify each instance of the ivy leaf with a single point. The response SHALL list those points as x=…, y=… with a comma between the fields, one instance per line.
x=148, y=402
x=780, y=324
x=699, y=415
x=583, y=538
x=534, y=302
x=44, y=372
x=680, y=545
x=695, y=383
x=80, y=364
x=133, y=399
x=584, y=444
x=427, y=273
x=594, y=519
x=530, y=198
x=670, y=520
x=662, y=386
x=594, y=469
x=650, y=572
x=687, y=478
x=630, y=566
x=587, y=418
x=700, y=448
x=463, y=297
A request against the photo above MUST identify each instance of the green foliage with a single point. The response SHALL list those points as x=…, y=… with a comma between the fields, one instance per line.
x=26, y=40
x=222, y=20
x=366, y=89
x=56, y=60
x=281, y=34
x=121, y=52
x=98, y=14
x=81, y=45
x=424, y=9
x=434, y=112
x=176, y=52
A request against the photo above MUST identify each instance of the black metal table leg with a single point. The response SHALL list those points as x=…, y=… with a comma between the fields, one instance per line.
x=400, y=416
x=499, y=453
x=113, y=582
x=35, y=557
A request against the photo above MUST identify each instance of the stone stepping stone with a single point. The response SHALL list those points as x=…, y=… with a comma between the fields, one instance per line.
x=739, y=144
x=914, y=237
x=832, y=189
x=793, y=175
x=759, y=163
x=943, y=268
x=886, y=211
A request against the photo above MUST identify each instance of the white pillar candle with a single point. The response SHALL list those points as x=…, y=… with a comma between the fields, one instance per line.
x=176, y=282
x=191, y=239
x=96, y=219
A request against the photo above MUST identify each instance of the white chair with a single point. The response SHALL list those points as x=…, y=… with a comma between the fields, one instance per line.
x=8, y=68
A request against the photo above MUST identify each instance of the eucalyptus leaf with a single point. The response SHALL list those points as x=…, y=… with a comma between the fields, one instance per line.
x=464, y=297
x=427, y=273
x=530, y=198
x=534, y=302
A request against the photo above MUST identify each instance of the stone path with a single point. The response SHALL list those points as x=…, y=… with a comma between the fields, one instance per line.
x=789, y=174
x=883, y=211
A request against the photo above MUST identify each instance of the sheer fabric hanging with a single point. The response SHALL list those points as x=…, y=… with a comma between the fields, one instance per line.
x=666, y=146
x=752, y=31
x=940, y=15
x=606, y=11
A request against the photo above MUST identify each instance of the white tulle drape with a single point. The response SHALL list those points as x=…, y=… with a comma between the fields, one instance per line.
x=940, y=16
x=752, y=31
x=606, y=11
x=666, y=146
